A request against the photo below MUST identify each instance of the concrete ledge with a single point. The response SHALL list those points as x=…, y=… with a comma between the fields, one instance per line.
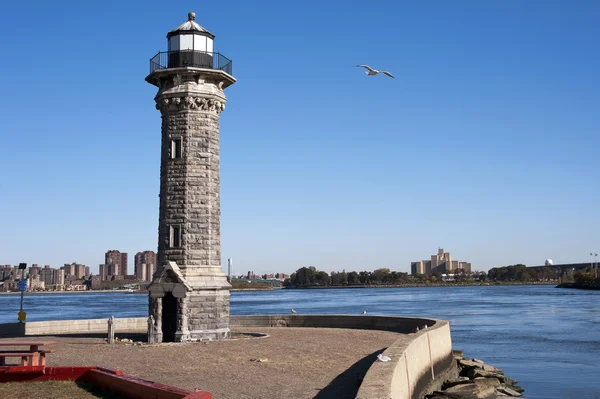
x=90, y=326
x=415, y=364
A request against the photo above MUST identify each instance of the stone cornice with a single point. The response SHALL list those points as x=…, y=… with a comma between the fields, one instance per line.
x=189, y=102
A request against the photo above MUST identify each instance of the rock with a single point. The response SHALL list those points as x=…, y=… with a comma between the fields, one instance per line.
x=458, y=354
x=474, y=372
x=508, y=391
x=488, y=381
x=456, y=381
x=476, y=389
x=493, y=369
x=468, y=363
x=444, y=395
x=259, y=360
x=512, y=383
x=478, y=361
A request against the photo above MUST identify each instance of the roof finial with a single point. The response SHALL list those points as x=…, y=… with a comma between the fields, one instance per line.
x=191, y=16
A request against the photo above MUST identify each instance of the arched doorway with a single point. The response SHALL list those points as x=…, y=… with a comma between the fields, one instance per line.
x=169, y=317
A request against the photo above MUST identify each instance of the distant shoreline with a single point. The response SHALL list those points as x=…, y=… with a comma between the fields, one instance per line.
x=72, y=292
x=435, y=285
x=118, y=291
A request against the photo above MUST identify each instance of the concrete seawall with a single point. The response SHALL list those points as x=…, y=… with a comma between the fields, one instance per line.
x=90, y=326
x=417, y=358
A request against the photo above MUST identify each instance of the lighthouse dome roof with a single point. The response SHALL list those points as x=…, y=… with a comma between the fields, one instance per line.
x=190, y=26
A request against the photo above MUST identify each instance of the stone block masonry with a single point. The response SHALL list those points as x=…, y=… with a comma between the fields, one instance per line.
x=190, y=188
x=190, y=212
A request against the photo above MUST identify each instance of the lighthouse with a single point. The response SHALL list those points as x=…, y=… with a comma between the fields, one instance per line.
x=189, y=293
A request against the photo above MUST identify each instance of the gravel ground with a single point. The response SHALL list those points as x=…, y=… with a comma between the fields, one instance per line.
x=290, y=363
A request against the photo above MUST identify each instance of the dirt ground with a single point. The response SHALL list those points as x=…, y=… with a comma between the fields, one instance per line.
x=290, y=363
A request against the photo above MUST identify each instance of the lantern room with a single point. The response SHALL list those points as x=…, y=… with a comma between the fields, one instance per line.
x=190, y=45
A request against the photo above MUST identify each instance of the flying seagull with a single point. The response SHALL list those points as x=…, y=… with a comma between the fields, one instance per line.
x=294, y=311
x=372, y=72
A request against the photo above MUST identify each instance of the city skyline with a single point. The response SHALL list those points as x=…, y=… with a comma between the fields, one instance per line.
x=484, y=143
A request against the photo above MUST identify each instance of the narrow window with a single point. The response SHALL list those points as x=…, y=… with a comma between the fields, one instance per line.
x=176, y=148
x=175, y=237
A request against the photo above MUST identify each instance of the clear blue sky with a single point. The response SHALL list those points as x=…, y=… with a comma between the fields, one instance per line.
x=485, y=144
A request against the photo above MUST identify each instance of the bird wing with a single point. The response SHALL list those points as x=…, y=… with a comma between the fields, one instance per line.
x=366, y=67
x=387, y=73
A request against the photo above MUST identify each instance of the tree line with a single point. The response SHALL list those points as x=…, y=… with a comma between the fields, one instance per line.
x=311, y=277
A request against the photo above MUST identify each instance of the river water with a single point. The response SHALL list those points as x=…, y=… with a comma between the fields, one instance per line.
x=546, y=338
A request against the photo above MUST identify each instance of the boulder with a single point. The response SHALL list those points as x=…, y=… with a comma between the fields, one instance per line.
x=468, y=363
x=476, y=389
x=487, y=381
x=493, y=369
x=508, y=391
x=512, y=383
x=456, y=381
x=474, y=372
x=453, y=395
x=437, y=395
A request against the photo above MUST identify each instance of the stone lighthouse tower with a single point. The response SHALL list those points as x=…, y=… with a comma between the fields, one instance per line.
x=189, y=293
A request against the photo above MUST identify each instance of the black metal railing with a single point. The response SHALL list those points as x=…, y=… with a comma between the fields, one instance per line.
x=190, y=58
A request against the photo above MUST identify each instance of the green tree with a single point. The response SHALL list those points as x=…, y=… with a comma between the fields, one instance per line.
x=339, y=279
x=381, y=276
x=321, y=278
x=353, y=278
x=364, y=277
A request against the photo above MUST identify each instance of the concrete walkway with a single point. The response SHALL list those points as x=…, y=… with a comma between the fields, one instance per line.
x=300, y=362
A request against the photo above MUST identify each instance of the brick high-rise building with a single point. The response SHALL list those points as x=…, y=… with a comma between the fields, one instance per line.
x=103, y=272
x=53, y=278
x=118, y=260
x=145, y=265
x=34, y=270
x=46, y=275
x=74, y=269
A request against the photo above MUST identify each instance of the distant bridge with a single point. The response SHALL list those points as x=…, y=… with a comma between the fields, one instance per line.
x=576, y=266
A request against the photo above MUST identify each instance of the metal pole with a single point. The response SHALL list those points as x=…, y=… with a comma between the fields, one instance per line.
x=22, y=287
x=229, y=263
x=22, y=293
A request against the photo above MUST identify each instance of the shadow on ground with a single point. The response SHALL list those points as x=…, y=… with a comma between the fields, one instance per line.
x=346, y=384
x=98, y=391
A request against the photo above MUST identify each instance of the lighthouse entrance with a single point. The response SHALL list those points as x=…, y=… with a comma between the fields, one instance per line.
x=169, y=317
